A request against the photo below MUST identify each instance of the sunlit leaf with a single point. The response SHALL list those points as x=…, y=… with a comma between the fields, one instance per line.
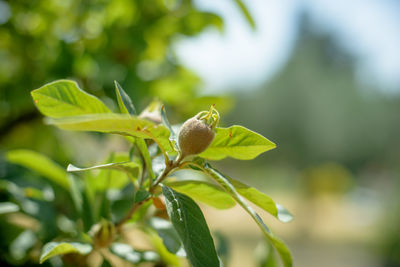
x=64, y=98
x=127, y=253
x=262, y=200
x=127, y=166
x=204, y=192
x=237, y=142
x=41, y=164
x=8, y=207
x=122, y=124
x=24, y=242
x=192, y=228
x=169, y=258
x=278, y=244
x=60, y=248
x=124, y=101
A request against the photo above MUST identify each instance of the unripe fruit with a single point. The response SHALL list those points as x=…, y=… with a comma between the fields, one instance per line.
x=195, y=136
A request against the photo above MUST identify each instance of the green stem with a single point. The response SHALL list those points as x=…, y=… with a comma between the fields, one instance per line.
x=171, y=165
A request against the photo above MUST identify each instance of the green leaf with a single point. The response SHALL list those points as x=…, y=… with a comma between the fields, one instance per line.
x=262, y=200
x=76, y=193
x=192, y=228
x=167, y=233
x=64, y=98
x=204, y=192
x=127, y=253
x=8, y=207
x=41, y=164
x=124, y=101
x=169, y=258
x=141, y=145
x=246, y=13
x=126, y=166
x=172, y=138
x=60, y=248
x=278, y=244
x=117, y=124
x=141, y=195
x=237, y=142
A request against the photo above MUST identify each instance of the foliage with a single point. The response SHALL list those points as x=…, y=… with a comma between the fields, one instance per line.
x=134, y=190
x=131, y=41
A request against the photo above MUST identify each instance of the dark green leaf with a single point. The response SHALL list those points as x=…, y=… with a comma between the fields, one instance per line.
x=204, y=192
x=141, y=195
x=237, y=142
x=60, y=248
x=167, y=233
x=224, y=181
x=64, y=98
x=106, y=263
x=124, y=101
x=192, y=228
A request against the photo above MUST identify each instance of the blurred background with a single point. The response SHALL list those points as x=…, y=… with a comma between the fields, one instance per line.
x=319, y=78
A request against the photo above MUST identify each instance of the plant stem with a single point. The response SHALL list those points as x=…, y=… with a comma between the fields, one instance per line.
x=133, y=209
x=171, y=165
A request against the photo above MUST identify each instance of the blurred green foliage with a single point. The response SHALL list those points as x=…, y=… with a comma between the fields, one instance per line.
x=96, y=42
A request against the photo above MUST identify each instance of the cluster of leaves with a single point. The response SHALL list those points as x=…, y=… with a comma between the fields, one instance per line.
x=137, y=188
x=96, y=42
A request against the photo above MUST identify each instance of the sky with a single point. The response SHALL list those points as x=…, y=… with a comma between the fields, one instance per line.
x=242, y=59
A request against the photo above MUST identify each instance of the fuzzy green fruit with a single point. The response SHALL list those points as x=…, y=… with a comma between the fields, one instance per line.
x=195, y=136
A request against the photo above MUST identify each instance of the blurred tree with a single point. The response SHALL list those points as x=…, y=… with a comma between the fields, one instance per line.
x=317, y=111
x=96, y=42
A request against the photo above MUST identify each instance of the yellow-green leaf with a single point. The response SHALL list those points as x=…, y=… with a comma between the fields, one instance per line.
x=278, y=244
x=64, y=98
x=204, y=192
x=262, y=200
x=237, y=142
x=60, y=248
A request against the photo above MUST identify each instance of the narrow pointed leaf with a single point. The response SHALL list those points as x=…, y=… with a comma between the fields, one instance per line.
x=192, y=228
x=237, y=142
x=262, y=200
x=204, y=192
x=246, y=13
x=127, y=166
x=172, y=138
x=124, y=101
x=41, y=164
x=141, y=145
x=278, y=244
x=64, y=98
x=60, y=248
